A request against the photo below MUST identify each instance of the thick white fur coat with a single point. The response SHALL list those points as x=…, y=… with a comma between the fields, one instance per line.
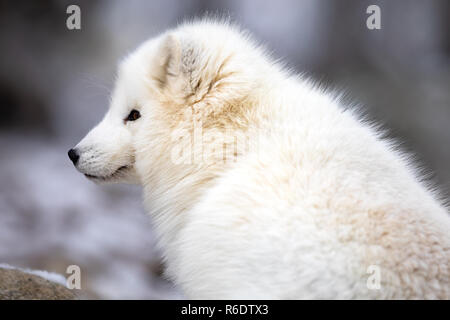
x=262, y=186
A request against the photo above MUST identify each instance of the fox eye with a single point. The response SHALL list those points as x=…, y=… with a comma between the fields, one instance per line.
x=133, y=116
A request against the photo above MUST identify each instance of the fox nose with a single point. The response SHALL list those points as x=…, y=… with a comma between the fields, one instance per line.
x=74, y=156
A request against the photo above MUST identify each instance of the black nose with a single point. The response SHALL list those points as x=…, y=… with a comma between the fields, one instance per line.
x=73, y=155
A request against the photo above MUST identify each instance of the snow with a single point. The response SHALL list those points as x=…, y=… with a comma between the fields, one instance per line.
x=50, y=276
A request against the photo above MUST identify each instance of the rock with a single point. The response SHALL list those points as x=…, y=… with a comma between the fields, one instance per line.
x=18, y=285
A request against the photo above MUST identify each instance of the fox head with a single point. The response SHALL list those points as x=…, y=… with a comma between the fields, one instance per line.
x=204, y=68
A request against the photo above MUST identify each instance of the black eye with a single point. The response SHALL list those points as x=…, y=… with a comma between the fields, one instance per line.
x=134, y=115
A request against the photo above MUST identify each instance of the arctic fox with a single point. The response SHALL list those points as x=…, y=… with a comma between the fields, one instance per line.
x=261, y=185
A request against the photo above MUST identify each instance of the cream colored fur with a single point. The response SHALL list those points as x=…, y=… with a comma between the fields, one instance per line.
x=262, y=186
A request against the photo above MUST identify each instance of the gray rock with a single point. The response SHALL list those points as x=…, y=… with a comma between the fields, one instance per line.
x=18, y=285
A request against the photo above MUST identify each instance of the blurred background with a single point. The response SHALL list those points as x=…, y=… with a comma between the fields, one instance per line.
x=55, y=85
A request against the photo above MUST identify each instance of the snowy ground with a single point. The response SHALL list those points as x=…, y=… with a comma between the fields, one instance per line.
x=52, y=217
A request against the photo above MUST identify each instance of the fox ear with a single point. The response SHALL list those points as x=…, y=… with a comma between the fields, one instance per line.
x=180, y=65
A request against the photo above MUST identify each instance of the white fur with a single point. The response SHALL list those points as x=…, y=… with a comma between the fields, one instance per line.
x=310, y=199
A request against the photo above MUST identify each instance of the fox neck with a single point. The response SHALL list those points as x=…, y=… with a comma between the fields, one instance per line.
x=170, y=201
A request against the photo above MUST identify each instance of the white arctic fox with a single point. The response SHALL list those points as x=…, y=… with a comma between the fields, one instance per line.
x=260, y=185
